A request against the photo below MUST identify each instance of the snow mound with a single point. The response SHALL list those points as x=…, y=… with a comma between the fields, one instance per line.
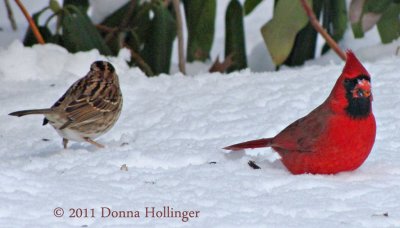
x=165, y=151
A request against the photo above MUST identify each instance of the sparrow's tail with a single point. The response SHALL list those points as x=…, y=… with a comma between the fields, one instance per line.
x=29, y=112
x=251, y=144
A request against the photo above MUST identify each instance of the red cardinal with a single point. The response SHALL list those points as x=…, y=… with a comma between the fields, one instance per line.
x=336, y=136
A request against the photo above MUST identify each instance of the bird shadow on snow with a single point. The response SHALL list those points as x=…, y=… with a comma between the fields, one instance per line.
x=45, y=151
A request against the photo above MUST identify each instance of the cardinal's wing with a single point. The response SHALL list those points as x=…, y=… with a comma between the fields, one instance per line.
x=304, y=133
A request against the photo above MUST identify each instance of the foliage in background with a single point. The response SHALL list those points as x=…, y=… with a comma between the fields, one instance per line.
x=365, y=14
x=200, y=21
x=148, y=29
x=278, y=38
x=235, y=44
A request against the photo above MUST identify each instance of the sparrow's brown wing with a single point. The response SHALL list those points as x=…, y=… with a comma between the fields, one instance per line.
x=92, y=104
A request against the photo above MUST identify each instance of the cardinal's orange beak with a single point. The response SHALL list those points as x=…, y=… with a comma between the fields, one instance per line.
x=362, y=89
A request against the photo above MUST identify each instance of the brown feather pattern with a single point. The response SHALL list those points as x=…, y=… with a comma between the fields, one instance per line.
x=89, y=108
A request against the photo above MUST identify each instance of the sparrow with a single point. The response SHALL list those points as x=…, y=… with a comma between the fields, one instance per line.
x=336, y=136
x=88, y=109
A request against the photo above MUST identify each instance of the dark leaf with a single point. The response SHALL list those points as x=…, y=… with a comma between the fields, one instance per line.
x=55, y=6
x=115, y=19
x=136, y=29
x=389, y=24
x=79, y=33
x=305, y=42
x=250, y=5
x=158, y=47
x=280, y=32
x=365, y=14
x=377, y=6
x=337, y=20
x=82, y=5
x=200, y=18
x=355, y=14
x=30, y=38
x=234, y=36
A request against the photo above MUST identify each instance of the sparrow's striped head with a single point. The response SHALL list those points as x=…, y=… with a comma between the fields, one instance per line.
x=102, y=66
x=104, y=71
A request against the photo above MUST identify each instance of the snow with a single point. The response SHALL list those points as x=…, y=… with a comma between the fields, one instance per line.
x=165, y=150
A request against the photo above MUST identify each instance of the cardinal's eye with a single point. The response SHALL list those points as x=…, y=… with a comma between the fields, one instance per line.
x=360, y=93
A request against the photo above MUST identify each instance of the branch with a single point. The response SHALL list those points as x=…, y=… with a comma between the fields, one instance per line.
x=105, y=28
x=10, y=15
x=180, y=36
x=32, y=24
x=167, y=2
x=140, y=61
x=314, y=21
x=124, y=22
x=221, y=66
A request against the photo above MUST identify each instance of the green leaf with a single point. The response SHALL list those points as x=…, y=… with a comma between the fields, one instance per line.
x=140, y=27
x=355, y=14
x=250, y=5
x=357, y=30
x=54, y=6
x=136, y=30
x=337, y=20
x=234, y=36
x=158, y=47
x=377, y=6
x=82, y=5
x=389, y=24
x=280, y=32
x=30, y=38
x=200, y=18
x=364, y=14
x=305, y=42
x=78, y=32
x=115, y=19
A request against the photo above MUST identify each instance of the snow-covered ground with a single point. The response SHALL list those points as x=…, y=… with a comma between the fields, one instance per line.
x=165, y=150
x=169, y=138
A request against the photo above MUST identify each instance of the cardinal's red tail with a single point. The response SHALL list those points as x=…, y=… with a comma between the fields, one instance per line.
x=251, y=144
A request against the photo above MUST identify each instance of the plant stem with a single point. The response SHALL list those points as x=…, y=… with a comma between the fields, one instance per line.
x=104, y=28
x=314, y=21
x=180, y=36
x=10, y=15
x=32, y=24
x=124, y=22
x=140, y=61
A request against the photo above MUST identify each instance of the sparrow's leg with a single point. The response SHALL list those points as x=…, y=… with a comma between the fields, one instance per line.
x=65, y=142
x=89, y=140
